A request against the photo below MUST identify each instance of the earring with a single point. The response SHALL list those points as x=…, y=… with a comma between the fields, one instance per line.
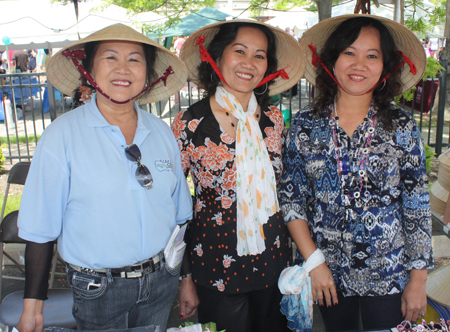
x=212, y=80
x=384, y=84
x=333, y=72
x=261, y=93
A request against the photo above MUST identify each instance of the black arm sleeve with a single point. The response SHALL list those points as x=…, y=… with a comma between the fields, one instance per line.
x=38, y=260
x=186, y=264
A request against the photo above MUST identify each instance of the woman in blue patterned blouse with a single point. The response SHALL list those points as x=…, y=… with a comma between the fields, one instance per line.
x=354, y=184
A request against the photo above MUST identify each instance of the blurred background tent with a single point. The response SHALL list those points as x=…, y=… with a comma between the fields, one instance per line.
x=39, y=24
x=297, y=18
x=191, y=23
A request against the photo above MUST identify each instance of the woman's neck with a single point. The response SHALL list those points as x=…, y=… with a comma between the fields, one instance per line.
x=124, y=116
x=116, y=114
x=348, y=105
x=242, y=97
x=351, y=110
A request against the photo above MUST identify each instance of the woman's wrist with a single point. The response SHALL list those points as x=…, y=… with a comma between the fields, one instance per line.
x=184, y=276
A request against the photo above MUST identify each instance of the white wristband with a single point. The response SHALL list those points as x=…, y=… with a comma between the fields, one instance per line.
x=314, y=260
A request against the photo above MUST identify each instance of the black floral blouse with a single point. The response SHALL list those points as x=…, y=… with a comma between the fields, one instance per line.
x=208, y=152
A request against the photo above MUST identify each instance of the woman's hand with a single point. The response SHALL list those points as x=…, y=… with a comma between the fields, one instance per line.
x=32, y=318
x=188, y=297
x=414, y=298
x=322, y=284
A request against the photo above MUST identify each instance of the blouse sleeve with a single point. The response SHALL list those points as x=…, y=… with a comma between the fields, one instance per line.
x=181, y=128
x=293, y=187
x=417, y=221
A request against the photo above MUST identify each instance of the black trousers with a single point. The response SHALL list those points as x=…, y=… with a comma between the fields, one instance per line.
x=256, y=311
x=363, y=312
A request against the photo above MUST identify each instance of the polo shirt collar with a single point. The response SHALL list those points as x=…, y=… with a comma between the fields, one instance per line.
x=95, y=119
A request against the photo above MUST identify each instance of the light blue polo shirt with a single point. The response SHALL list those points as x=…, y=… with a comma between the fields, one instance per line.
x=82, y=189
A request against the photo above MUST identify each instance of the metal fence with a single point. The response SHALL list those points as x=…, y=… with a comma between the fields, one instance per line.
x=30, y=103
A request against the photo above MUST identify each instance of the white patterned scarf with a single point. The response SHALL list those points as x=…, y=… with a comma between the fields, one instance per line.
x=256, y=194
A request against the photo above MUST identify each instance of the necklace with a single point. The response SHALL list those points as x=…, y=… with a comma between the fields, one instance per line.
x=353, y=165
x=232, y=123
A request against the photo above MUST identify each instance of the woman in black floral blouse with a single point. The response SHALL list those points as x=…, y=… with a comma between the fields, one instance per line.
x=354, y=183
x=231, y=143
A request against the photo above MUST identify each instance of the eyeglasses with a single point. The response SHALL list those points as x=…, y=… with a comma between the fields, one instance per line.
x=143, y=175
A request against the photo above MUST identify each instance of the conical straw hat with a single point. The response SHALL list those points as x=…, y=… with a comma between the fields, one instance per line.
x=290, y=56
x=63, y=74
x=438, y=286
x=405, y=39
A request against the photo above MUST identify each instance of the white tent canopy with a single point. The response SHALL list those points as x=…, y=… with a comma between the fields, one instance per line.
x=297, y=18
x=40, y=24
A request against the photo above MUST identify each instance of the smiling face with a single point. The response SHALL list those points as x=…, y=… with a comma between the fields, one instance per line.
x=360, y=65
x=119, y=69
x=244, y=61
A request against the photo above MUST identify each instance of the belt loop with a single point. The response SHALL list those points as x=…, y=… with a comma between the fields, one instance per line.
x=109, y=276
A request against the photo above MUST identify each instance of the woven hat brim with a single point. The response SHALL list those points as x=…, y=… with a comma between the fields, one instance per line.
x=444, y=158
x=438, y=286
x=438, y=197
x=63, y=74
x=290, y=56
x=405, y=39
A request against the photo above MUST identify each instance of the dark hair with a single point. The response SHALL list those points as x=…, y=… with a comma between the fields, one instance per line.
x=344, y=36
x=224, y=37
x=92, y=47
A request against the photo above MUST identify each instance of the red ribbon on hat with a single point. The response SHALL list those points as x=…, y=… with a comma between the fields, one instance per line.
x=412, y=67
x=206, y=57
x=81, y=54
x=315, y=61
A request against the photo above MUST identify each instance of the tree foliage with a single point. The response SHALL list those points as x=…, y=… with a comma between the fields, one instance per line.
x=434, y=16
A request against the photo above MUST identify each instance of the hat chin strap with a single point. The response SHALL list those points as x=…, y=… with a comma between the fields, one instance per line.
x=206, y=57
x=81, y=54
x=315, y=61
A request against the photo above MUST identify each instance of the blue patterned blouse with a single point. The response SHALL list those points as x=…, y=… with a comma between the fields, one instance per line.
x=370, y=243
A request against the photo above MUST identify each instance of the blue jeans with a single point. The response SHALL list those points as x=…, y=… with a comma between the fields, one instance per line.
x=103, y=302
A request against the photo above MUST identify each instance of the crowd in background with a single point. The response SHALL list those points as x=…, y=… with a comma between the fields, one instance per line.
x=433, y=47
x=25, y=61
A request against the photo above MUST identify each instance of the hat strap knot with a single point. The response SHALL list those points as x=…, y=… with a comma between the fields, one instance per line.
x=412, y=66
x=273, y=76
x=77, y=54
x=316, y=61
x=315, y=58
x=206, y=57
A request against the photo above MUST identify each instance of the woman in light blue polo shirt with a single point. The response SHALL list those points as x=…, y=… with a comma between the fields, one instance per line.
x=106, y=181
